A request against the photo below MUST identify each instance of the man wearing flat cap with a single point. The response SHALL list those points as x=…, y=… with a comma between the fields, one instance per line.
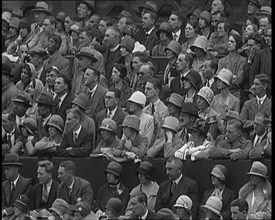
x=261, y=103
x=253, y=7
x=14, y=185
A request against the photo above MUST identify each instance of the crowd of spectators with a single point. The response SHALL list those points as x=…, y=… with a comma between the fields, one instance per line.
x=190, y=88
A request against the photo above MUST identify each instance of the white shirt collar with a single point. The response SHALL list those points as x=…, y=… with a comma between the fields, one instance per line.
x=93, y=90
x=62, y=99
x=178, y=34
x=48, y=186
x=145, y=215
x=184, y=74
x=46, y=119
x=78, y=131
x=71, y=186
x=261, y=99
x=114, y=49
x=149, y=32
x=112, y=112
x=15, y=181
x=178, y=180
x=156, y=102
x=19, y=120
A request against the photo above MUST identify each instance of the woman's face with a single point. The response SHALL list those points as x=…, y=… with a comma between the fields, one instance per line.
x=127, y=132
x=231, y=45
x=248, y=30
x=53, y=131
x=74, y=35
x=142, y=178
x=102, y=26
x=202, y=23
x=13, y=31
x=189, y=31
x=30, y=89
x=25, y=76
x=172, y=109
x=170, y=54
x=201, y=102
x=163, y=36
x=221, y=84
x=123, y=51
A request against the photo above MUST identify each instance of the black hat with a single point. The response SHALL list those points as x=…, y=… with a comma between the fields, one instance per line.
x=190, y=108
x=6, y=69
x=86, y=52
x=146, y=168
x=45, y=99
x=23, y=98
x=122, y=69
x=11, y=160
x=200, y=126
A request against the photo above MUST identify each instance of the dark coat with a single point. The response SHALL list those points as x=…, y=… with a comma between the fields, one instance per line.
x=257, y=150
x=81, y=189
x=23, y=186
x=36, y=196
x=227, y=197
x=118, y=118
x=151, y=40
x=110, y=58
x=182, y=38
x=42, y=130
x=151, y=215
x=82, y=148
x=186, y=186
x=66, y=104
x=176, y=86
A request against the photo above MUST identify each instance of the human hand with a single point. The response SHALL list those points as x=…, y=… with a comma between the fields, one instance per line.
x=130, y=155
x=128, y=144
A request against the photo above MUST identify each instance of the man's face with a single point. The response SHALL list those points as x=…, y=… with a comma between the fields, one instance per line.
x=136, y=64
x=110, y=100
x=251, y=43
x=84, y=62
x=35, y=59
x=42, y=175
x=268, y=37
x=172, y=170
x=10, y=172
x=13, y=31
x=48, y=26
x=52, y=46
x=60, y=86
x=109, y=39
x=23, y=32
x=252, y=8
x=121, y=24
x=39, y=17
x=150, y=91
x=63, y=175
x=206, y=69
x=216, y=6
x=236, y=214
x=115, y=75
x=259, y=125
x=83, y=11
x=43, y=110
x=174, y=22
x=68, y=23
x=232, y=133
x=185, y=119
x=20, y=108
x=6, y=123
x=147, y=21
x=83, y=38
x=93, y=21
x=136, y=207
x=71, y=122
x=181, y=63
x=89, y=77
x=264, y=25
x=248, y=30
x=50, y=78
x=220, y=30
x=257, y=87
x=215, y=19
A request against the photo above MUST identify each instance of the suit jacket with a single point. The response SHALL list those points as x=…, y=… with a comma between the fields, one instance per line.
x=23, y=186
x=110, y=58
x=82, y=148
x=36, y=196
x=151, y=215
x=42, y=130
x=227, y=197
x=151, y=40
x=251, y=108
x=97, y=102
x=177, y=87
x=8, y=145
x=81, y=189
x=182, y=39
x=186, y=186
x=257, y=150
x=66, y=104
x=118, y=117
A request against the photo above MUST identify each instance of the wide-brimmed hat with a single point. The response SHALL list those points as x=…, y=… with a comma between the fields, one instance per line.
x=86, y=52
x=22, y=202
x=265, y=10
x=195, y=79
x=213, y=204
x=14, y=22
x=200, y=42
x=124, y=14
x=41, y=7
x=75, y=28
x=6, y=15
x=174, y=46
x=220, y=172
x=11, y=160
x=225, y=75
x=171, y=123
x=59, y=206
x=166, y=27
x=206, y=93
x=150, y=6
x=146, y=168
x=115, y=205
x=81, y=100
x=232, y=115
x=83, y=208
x=258, y=169
x=256, y=2
x=206, y=16
x=108, y=125
x=185, y=202
x=175, y=99
x=200, y=126
x=131, y=121
x=17, y=13
x=128, y=43
x=23, y=98
x=190, y=108
x=57, y=122
x=138, y=97
x=114, y=168
x=30, y=124
x=45, y=99
x=6, y=68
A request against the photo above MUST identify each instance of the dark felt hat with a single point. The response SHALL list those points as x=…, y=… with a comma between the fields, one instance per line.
x=46, y=99
x=195, y=79
x=12, y=160
x=146, y=168
x=190, y=108
x=86, y=52
x=23, y=98
x=41, y=7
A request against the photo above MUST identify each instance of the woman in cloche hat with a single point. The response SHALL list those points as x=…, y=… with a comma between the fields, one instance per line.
x=47, y=145
x=257, y=192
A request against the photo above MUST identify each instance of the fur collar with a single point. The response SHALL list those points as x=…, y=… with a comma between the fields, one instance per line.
x=248, y=188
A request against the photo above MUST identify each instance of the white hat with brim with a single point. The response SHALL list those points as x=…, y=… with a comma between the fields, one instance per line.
x=213, y=204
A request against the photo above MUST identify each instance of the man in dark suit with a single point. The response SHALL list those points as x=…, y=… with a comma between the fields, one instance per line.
x=77, y=141
x=261, y=103
x=94, y=91
x=73, y=188
x=177, y=22
x=10, y=131
x=14, y=185
x=44, y=192
x=209, y=70
x=138, y=206
x=63, y=98
x=176, y=185
x=148, y=23
x=112, y=110
x=112, y=55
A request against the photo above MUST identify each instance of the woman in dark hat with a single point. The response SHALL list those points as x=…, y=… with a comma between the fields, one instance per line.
x=126, y=48
x=147, y=185
x=20, y=208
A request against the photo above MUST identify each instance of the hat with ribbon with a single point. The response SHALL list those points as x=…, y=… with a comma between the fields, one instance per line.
x=146, y=168
x=200, y=42
x=83, y=208
x=22, y=202
x=81, y=100
x=206, y=16
x=57, y=122
x=265, y=10
x=11, y=160
x=206, y=93
x=175, y=99
x=214, y=204
x=174, y=46
x=128, y=43
x=132, y=30
x=258, y=169
x=171, y=123
x=184, y=201
x=220, y=172
x=165, y=27
x=45, y=99
x=138, y=97
x=86, y=52
x=41, y=7
x=200, y=126
x=131, y=121
x=23, y=98
x=30, y=124
x=149, y=6
x=17, y=13
x=124, y=14
x=6, y=15
x=225, y=75
x=14, y=22
x=195, y=79
x=190, y=108
x=114, y=168
x=108, y=125
x=59, y=206
x=256, y=2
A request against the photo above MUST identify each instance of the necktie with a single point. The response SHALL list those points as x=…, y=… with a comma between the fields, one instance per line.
x=257, y=142
x=146, y=35
x=175, y=37
x=69, y=191
x=109, y=115
x=217, y=193
x=12, y=186
x=153, y=108
x=44, y=194
x=173, y=187
x=259, y=103
x=59, y=102
x=74, y=137
x=9, y=139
